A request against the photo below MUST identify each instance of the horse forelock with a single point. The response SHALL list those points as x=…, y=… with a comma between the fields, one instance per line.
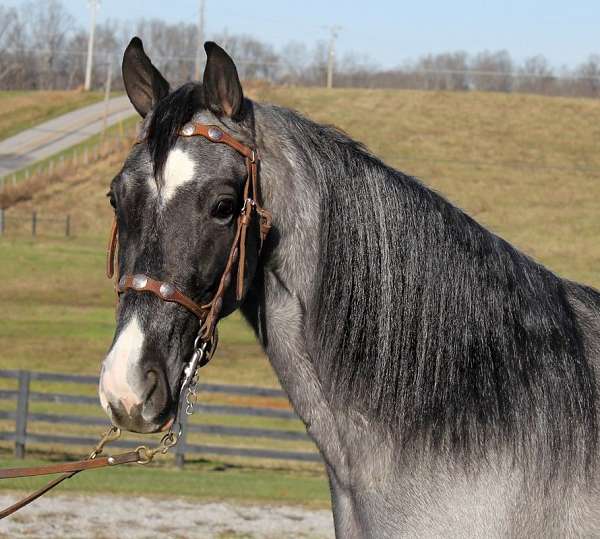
x=168, y=118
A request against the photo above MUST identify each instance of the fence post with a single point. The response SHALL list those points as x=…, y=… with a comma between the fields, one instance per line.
x=33, y=223
x=22, y=411
x=68, y=226
x=180, y=447
x=1, y=221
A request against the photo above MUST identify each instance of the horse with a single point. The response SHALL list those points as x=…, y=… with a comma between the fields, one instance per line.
x=448, y=380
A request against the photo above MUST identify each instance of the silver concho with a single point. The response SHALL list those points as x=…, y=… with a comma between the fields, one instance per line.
x=214, y=133
x=188, y=130
x=166, y=290
x=139, y=281
x=122, y=282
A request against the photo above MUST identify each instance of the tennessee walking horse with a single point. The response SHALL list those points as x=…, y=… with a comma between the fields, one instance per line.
x=448, y=380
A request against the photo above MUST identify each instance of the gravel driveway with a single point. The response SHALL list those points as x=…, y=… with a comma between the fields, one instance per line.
x=112, y=517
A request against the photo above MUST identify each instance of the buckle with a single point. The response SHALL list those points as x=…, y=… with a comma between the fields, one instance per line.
x=248, y=201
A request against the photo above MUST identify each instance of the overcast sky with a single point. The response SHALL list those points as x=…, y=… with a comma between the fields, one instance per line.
x=389, y=32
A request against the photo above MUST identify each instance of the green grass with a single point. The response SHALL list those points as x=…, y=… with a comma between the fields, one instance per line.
x=22, y=110
x=59, y=314
x=206, y=480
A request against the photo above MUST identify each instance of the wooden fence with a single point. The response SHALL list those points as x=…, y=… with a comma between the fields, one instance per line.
x=21, y=416
x=35, y=223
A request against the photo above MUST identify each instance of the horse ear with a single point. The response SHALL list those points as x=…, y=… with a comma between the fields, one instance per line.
x=144, y=84
x=222, y=87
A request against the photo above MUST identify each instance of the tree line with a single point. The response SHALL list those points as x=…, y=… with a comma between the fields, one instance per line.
x=42, y=47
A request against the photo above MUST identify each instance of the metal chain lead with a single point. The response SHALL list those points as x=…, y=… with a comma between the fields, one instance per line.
x=189, y=390
x=191, y=381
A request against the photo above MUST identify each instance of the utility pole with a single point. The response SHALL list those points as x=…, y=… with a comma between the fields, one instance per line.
x=331, y=56
x=109, y=68
x=90, y=52
x=200, y=45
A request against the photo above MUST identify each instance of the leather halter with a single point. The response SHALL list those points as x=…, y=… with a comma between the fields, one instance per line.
x=207, y=314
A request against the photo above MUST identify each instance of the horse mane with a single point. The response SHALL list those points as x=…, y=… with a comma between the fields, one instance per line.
x=433, y=327
x=428, y=324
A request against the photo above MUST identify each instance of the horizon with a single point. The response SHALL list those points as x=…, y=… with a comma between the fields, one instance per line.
x=565, y=37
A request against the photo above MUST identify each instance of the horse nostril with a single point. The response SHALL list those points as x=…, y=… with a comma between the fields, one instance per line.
x=152, y=379
x=156, y=396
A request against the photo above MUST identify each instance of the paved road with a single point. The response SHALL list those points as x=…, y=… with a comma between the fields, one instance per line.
x=58, y=134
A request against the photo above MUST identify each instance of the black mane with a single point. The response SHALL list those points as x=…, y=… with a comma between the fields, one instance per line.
x=434, y=327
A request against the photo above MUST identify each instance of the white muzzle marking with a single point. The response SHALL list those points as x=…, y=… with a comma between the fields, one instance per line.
x=123, y=358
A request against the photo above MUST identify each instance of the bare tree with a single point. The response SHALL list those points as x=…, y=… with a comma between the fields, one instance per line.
x=447, y=71
x=47, y=25
x=294, y=61
x=536, y=76
x=172, y=47
x=492, y=71
x=9, y=31
x=588, y=75
x=41, y=47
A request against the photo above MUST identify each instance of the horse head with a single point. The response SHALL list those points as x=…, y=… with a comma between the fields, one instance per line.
x=179, y=203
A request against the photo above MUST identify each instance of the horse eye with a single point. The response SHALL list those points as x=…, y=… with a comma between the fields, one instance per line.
x=111, y=198
x=224, y=208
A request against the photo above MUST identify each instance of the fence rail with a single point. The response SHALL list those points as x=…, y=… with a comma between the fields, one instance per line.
x=33, y=222
x=23, y=396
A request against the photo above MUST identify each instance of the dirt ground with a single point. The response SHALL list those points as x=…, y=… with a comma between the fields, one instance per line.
x=113, y=517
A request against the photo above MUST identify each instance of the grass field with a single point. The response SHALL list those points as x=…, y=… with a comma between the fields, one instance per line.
x=208, y=480
x=21, y=110
x=528, y=167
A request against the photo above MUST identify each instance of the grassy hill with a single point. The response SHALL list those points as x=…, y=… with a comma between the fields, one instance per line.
x=528, y=167
x=21, y=110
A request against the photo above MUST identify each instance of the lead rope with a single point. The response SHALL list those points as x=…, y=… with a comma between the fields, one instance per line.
x=143, y=454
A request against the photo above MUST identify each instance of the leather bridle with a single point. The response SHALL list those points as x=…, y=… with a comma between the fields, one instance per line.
x=207, y=314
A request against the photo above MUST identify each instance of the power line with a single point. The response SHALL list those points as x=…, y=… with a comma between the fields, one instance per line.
x=374, y=71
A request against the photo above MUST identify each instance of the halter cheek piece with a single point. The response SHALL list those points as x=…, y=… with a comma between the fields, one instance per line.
x=207, y=314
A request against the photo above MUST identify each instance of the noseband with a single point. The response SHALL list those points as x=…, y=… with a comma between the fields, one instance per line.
x=207, y=314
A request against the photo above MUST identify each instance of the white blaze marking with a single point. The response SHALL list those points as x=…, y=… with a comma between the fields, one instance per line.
x=124, y=355
x=179, y=169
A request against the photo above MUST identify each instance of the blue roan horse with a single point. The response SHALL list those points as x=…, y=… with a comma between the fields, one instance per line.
x=448, y=380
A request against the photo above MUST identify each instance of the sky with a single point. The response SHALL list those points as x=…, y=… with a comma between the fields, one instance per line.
x=388, y=32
